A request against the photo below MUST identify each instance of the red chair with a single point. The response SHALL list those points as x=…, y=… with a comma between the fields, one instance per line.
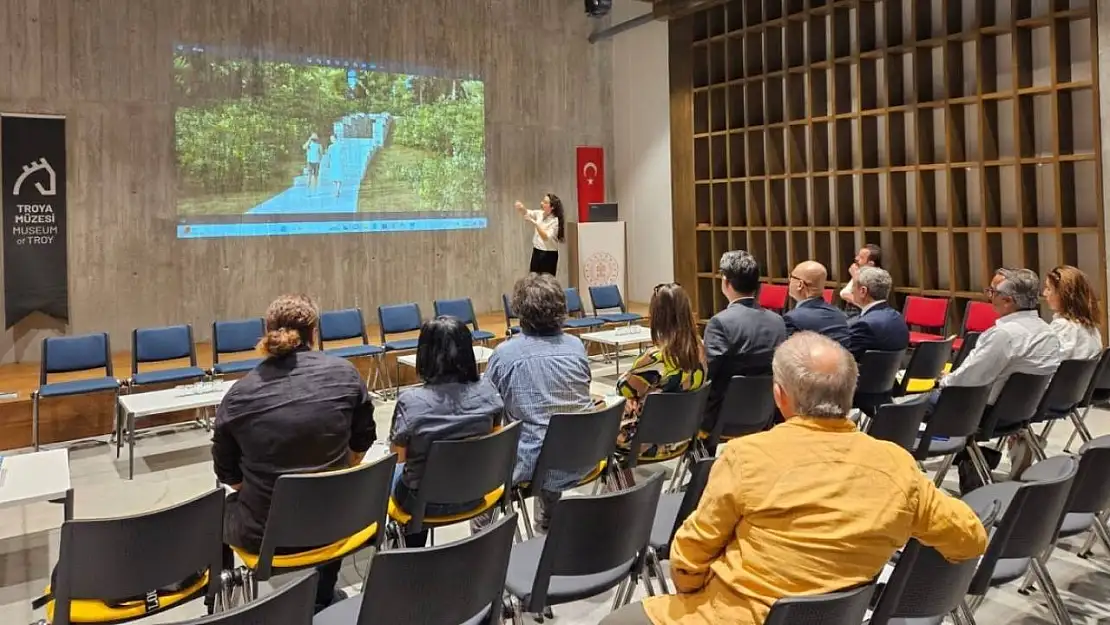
x=978, y=317
x=773, y=297
x=927, y=313
x=827, y=295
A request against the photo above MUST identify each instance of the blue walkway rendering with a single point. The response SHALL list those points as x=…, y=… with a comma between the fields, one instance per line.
x=358, y=139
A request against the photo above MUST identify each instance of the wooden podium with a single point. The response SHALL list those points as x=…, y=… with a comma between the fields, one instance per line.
x=598, y=256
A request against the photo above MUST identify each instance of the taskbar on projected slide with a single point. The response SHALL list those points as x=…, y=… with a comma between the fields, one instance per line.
x=286, y=228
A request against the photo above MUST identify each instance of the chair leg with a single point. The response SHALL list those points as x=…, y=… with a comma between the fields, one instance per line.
x=680, y=470
x=1043, y=437
x=980, y=463
x=1080, y=424
x=649, y=587
x=1027, y=586
x=524, y=516
x=518, y=613
x=943, y=470
x=1055, y=602
x=35, y=419
x=966, y=613
x=1098, y=532
x=1034, y=443
x=617, y=598
x=657, y=568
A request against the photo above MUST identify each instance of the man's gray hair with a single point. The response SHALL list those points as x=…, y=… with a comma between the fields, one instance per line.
x=1022, y=285
x=877, y=281
x=817, y=389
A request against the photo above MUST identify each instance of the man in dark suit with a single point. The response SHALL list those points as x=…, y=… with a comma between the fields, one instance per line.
x=741, y=339
x=812, y=312
x=878, y=326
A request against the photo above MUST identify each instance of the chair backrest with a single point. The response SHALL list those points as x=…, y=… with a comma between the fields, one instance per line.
x=957, y=413
x=342, y=325
x=899, y=423
x=64, y=354
x=322, y=508
x=510, y=314
x=748, y=407
x=593, y=534
x=925, y=312
x=447, y=584
x=466, y=470
x=1030, y=522
x=1068, y=388
x=1018, y=403
x=574, y=302
x=606, y=297
x=827, y=295
x=399, y=318
x=1098, y=380
x=1091, y=491
x=161, y=344
x=969, y=341
x=979, y=317
x=290, y=604
x=131, y=556
x=579, y=440
x=668, y=418
x=878, y=371
x=836, y=608
x=461, y=309
x=699, y=477
x=927, y=362
x=773, y=297
x=233, y=337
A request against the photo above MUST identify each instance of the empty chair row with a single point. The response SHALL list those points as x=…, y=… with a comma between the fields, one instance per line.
x=608, y=306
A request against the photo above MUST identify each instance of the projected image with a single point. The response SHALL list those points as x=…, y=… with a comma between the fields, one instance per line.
x=311, y=146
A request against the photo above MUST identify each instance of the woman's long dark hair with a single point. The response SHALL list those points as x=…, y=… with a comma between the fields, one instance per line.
x=673, y=329
x=557, y=210
x=445, y=352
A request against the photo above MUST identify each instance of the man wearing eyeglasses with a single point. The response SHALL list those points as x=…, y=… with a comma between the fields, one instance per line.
x=811, y=312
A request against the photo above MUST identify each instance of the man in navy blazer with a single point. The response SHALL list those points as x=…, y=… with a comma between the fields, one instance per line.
x=878, y=326
x=812, y=313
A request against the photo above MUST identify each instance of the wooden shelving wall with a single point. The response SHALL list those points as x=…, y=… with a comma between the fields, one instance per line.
x=958, y=135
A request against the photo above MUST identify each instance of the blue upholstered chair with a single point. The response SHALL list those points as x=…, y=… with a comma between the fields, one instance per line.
x=463, y=310
x=608, y=297
x=162, y=345
x=510, y=315
x=397, y=319
x=576, y=314
x=344, y=325
x=69, y=354
x=235, y=337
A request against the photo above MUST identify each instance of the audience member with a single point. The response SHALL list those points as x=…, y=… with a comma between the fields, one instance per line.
x=869, y=255
x=299, y=411
x=540, y=373
x=453, y=403
x=774, y=522
x=878, y=326
x=812, y=313
x=1019, y=342
x=741, y=339
x=674, y=363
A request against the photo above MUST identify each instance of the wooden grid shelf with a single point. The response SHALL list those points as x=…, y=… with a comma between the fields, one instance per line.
x=959, y=136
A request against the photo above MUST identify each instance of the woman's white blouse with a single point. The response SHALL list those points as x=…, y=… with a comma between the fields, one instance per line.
x=1077, y=342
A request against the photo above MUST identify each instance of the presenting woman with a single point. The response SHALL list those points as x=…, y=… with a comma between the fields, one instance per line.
x=550, y=225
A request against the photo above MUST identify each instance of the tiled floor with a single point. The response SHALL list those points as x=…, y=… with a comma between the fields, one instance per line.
x=172, y=466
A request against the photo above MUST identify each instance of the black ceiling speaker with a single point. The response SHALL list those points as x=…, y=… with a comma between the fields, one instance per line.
x=598, y=8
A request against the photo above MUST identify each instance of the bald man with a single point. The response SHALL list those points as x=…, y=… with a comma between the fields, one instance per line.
x=811, y=312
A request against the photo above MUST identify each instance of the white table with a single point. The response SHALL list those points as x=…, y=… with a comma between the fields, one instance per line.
x=34, y=477
x=481, y=356
x=189, y=397
x=618, y=338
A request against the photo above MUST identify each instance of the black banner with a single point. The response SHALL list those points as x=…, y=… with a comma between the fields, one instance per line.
x=33, y=175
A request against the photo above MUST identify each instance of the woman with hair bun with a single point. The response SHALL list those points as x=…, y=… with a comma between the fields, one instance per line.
x=298, y=411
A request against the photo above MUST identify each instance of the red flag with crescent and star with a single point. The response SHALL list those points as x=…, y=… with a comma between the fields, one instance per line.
x=591, y=179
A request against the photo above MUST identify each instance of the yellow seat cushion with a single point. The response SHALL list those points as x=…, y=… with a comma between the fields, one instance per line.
x=948, y=367
x=920, y=386
x=97, y=611
x=590, y=477
x=490, y=500
x=318, y=555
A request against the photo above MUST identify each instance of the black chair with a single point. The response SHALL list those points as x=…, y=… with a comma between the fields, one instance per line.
x=575, y=442
x=899, y=423
x=925, y=366
x=1013, y=409
x=878, y=374
x=595, y=543
x=456, y=472
x=747, y=408
x=291, y=604
x=970, y=340
x=461, y=582
x=1031, y=516
x=954, y=420
x=344, y=511
x=669, y=516
x=1095, y=392
x=107, y=568
x=846, y=607
x=1065, y=393
x=666, y=419
x=924, y=584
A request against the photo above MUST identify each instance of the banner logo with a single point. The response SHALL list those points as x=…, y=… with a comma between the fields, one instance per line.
x=39, y=165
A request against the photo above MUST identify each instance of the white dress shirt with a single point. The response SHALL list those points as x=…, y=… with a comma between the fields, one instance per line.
x=1020, y=342
x=1077, y=341
x=550, y=227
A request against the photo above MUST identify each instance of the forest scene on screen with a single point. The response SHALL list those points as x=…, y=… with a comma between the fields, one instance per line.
x=270, y=137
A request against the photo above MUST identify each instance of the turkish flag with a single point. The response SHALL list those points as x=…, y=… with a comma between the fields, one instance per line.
x=591, y=179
